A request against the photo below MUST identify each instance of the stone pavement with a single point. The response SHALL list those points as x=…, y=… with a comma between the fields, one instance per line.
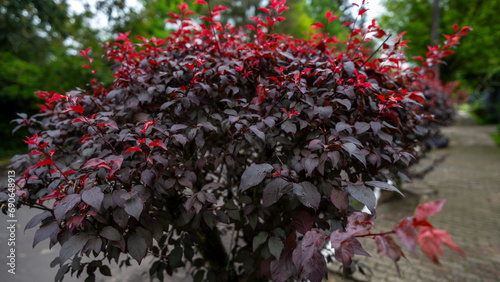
x=469, y=180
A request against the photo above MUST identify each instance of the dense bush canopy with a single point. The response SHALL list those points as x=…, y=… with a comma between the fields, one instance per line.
x=215, y=132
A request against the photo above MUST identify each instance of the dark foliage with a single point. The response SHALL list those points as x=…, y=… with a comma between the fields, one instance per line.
x=214, y=132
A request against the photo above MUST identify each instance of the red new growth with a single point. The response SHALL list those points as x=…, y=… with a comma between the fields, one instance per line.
x=261, y=94
x=252, y=133
x=291, y=113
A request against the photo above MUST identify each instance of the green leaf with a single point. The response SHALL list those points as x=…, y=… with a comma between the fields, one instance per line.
x=275, y=246
x=259, y=240
x=175, y=256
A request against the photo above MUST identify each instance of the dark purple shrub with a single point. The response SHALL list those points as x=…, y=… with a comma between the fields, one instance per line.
x=211, y=133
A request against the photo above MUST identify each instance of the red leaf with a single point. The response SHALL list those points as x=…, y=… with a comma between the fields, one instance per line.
x=84, y=53
x=219, y=8
x=347, y=23
x=202, y=2
x=133, y=149
x=362, y=11
x=74, y=108
x=32, y=140
x=93, y=162
x=173, y=15
x=109, y=123
x=316, y=26
x=455, y=27
x=123, y=36
x=261, y=94
x=418, y=58
x=328, y=14
x=55, y=194
x=430, y=240
x=35, y=152
x=407, y=233
x=359, y=222
x=265, y=10
x=333, y=18
x=86, y=138
x=183, y=6
x=250, y=27
x=43, y=163
x=282, y=9
x=147, y=125
x=56, y=97
x=158, y=143
x=425, y=210
x=69, y=172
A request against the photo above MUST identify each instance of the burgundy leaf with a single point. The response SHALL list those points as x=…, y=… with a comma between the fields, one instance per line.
x=363, y=194
x=386, y=246
x=93, y=197
x=307, y=194
x=136, y=246
x=73, y=246
x=254, y=175
x=282, y=269
x=340, y=199
x=303, y=222
x=273, y=191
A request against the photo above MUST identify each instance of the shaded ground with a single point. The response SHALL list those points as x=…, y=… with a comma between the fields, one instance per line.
x=469, y=179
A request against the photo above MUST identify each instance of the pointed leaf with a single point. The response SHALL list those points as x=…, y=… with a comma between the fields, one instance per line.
x=273, y=191
x=254, y=175
x=275, y=246
x=363, y=194
x=93, y=197
x=307, y=194
x=383, y=185
x=72, y=246
x=137, y=247
x=110, y=233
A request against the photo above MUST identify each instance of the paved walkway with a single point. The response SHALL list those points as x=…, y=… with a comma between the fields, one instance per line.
x=469, y=180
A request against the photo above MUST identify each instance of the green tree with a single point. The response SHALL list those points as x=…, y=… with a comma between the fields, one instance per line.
x=478, y=57
x=39, y=43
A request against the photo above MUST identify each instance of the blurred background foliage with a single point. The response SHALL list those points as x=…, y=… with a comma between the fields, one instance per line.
x=476, y=64
x=40, y=40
